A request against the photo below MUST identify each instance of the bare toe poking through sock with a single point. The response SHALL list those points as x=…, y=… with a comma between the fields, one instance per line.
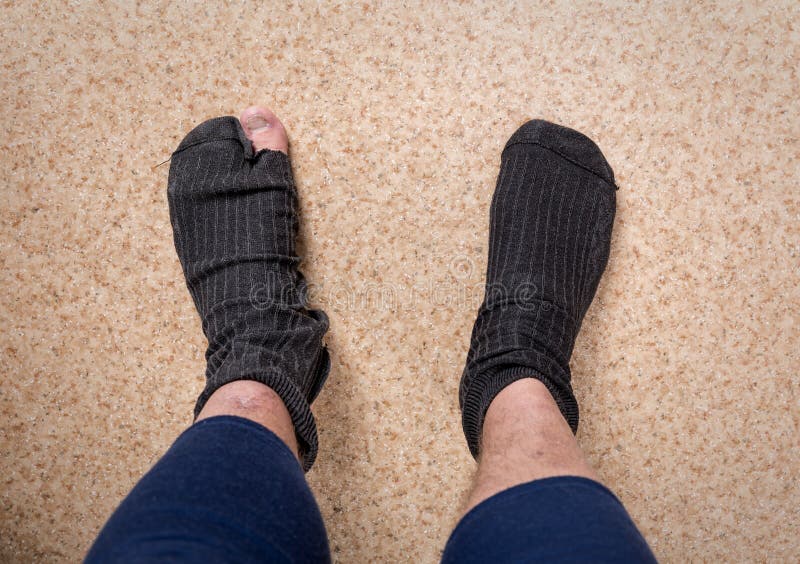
x=264, y=129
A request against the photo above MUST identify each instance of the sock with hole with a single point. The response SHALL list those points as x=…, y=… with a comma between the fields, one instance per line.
x=234, y=218
x=551, y=219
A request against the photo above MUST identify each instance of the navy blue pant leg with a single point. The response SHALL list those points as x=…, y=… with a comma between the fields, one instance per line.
x=228, y=490
x=562, y=519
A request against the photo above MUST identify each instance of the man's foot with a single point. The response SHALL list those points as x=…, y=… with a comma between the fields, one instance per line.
x=264, y=129
x=233, y=208
x=549, y=237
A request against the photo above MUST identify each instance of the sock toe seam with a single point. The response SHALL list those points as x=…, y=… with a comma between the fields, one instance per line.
x=203, y=142
x=566, y=158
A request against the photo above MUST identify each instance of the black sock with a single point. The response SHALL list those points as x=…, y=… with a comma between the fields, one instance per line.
x=551, y=220
x=234, y=217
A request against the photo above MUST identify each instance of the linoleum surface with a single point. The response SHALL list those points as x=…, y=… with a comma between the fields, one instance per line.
x=686, y=367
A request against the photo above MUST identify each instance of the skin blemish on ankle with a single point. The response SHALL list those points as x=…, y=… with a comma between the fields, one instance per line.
x=253, y=401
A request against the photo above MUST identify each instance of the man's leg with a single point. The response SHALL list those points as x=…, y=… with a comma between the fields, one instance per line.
x=525, y=438
x=254, y=401
x=232, y=487
x=535, y=497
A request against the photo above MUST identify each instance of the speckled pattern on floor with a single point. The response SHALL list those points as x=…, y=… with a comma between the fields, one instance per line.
x=686, y=369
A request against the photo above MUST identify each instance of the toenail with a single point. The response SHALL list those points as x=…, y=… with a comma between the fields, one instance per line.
x=257, y=122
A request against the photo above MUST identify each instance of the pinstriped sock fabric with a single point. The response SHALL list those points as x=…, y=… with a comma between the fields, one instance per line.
x=234, y=218
x=551, y=220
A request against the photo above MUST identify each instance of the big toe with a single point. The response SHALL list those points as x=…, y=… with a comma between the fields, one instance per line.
x=264, y=130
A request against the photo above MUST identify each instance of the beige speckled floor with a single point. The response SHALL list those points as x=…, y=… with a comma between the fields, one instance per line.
x=687, y=367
